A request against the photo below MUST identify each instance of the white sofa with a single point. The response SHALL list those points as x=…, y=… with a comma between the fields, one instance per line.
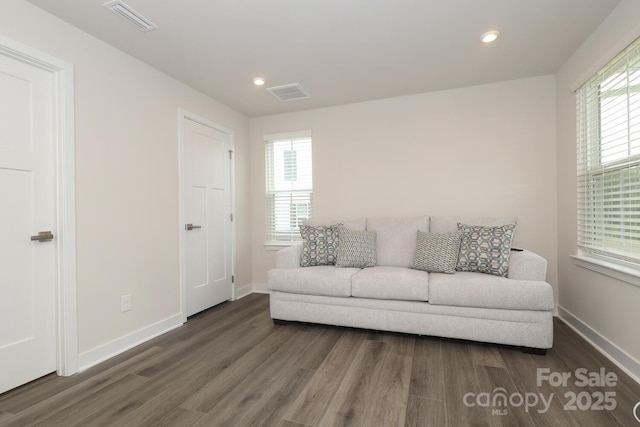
x=517, y=310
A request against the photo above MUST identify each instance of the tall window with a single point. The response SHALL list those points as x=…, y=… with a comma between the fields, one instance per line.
x=608, y=128
x=289, y=185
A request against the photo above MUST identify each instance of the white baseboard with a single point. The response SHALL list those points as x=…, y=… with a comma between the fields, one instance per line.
x=611, y=351
x=243, y=291
x=260, y=288
x=106, y=351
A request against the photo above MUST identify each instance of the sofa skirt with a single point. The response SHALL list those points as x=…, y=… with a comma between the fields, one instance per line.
x=526, y=328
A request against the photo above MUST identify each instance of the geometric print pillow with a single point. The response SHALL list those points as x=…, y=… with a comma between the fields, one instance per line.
x=319, y=245
x=437, y=253
x=485, y=249
x=357, y=248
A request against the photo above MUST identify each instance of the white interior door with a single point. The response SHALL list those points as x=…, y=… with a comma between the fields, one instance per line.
x=208, y=221
x=27, y=206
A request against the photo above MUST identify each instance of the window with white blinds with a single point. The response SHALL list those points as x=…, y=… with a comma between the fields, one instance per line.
x=289, y=185
x=608, y=130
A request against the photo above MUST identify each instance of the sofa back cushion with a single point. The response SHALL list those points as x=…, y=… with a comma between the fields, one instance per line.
x=353, y=224
x=449, y=224
x=396, y=241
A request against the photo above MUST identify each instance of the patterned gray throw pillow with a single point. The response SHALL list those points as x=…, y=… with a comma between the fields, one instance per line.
x=485, y=249
x=319, y=245
x=437, y=253
x=356, y=248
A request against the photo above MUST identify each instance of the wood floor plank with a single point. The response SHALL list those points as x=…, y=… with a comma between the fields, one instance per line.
x=325, y=340
x=261, y=382
x=423, y=412
x=314, y=399
x=427, y=372
x=185, y=379
x=53, y=386
x=402, y=344
x=286, y=423
x=576, y=354
x=25, y=396
x=387, y=406
x=121, y=404
x=208, y=396
x=190, y=353
x=460, y=379
x=87, y=383
x=356, y=391
x=522, y=369
x=5, y=417
x=178, y=417
x=78, y=413
x=168, y=398
x=497, y=382
x=485, y=355
x=555, y=363
x=270, y=409
x=206, y=324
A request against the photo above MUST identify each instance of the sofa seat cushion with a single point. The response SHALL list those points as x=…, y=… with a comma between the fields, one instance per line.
x=466, y=289
x=394, y=283
x=318, y=280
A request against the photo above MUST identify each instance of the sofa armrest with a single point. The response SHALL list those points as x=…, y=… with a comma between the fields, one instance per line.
x=527, y=265
x=289, y=257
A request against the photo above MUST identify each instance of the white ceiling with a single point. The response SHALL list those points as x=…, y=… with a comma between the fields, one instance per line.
x=341, y=51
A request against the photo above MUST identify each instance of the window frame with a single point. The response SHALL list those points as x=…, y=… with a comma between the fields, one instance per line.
x=299, y=192
x=603, y=212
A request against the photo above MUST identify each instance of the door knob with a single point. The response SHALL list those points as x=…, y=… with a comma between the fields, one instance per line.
x=42, y=236
x=190, y=227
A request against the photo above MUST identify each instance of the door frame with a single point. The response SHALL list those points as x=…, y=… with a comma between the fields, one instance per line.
x=182, y=116
x=65, y=197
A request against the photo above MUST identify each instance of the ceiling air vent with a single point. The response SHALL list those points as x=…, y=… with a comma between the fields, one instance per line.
x=288, y=92
x=126, y=12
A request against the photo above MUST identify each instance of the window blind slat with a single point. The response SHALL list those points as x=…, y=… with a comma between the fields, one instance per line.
x=608, y=158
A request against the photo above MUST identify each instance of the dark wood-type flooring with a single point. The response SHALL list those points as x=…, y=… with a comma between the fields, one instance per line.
x=231, y=366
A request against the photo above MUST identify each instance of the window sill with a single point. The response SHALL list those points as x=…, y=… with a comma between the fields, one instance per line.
x=624, y=273
x=277, y=246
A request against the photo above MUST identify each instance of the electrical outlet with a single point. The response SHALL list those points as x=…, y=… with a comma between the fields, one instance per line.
x=126, y=303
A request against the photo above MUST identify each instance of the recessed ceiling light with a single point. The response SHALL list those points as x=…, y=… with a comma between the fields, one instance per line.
x=490, y=36
x=258, y=81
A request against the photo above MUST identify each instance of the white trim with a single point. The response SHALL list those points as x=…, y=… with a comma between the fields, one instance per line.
x=243, y=291
x=287, y=135
x=182, y=116
x=279, y=246
x=611, y=351
x=608, y=268
x=120, y=345
x=65, y=241
x=604, y=59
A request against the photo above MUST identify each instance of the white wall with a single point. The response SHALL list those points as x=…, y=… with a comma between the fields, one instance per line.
x=479, y=151
x=127, y=176
x=607, y=306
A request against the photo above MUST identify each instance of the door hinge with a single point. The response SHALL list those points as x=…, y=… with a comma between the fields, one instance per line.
x=231, y=217
x=230, y=154
x=233, y=279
